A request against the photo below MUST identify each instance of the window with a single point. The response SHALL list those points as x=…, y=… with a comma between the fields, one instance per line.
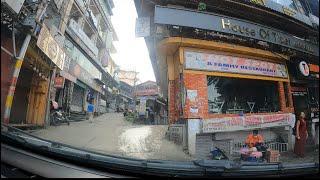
x=234, y=95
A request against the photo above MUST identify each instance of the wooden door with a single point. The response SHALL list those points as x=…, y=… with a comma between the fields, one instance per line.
x=37, y=101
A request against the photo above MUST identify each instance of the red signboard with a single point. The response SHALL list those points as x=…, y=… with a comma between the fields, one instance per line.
x=59, y=82
x=295, y=89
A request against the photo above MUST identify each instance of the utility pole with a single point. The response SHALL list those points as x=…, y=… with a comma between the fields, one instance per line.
x=19, y=60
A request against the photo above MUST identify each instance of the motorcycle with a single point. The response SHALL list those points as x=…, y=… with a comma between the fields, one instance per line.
x=218, y=154
x=57, y=116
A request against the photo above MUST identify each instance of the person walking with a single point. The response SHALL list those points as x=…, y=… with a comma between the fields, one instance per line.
x=90, y=110
x=301, y=135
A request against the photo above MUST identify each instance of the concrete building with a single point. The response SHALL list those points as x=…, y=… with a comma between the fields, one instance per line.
x=67, y=60
x=228, y=67
x=149, y=98
x=125, y=98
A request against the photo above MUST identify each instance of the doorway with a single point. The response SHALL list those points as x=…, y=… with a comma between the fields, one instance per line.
x=21, y=95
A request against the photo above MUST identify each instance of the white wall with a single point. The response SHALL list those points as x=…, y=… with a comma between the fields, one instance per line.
x=194, y=127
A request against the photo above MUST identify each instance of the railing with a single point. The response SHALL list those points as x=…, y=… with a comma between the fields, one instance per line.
x=281, y=147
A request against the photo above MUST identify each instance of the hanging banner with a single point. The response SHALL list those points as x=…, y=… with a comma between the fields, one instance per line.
x=228, y=124
x=50, y=47
x=59, y=82
x=231, y=64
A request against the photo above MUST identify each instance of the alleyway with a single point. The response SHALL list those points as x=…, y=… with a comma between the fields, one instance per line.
x=111, y=134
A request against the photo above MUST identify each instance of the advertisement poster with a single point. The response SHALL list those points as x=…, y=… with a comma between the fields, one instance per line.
x=192, y=95
x=142, y=106
x=192, y=98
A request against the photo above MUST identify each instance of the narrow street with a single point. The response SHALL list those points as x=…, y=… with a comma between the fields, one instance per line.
x=111, y=134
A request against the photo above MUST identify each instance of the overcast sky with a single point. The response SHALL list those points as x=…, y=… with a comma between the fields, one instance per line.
x=132, y=52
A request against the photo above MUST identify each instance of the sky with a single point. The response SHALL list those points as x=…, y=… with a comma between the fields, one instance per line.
x=132, y=52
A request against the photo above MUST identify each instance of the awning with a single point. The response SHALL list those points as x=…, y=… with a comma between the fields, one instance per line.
x=81, y=84
x=123, y=95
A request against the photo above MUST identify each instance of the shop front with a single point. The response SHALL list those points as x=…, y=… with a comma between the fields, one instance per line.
x=88, y=82
x=31, y=95
x=304, y=80
x=232, y=94
x=30, y=101
x=227, y=91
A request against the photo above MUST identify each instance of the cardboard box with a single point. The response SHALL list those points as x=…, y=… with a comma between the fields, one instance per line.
x=273, y=156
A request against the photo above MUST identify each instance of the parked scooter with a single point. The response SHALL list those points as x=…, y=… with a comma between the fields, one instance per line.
x=57, y=116
x=218, y=154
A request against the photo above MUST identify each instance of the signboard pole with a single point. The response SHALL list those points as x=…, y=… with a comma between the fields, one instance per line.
x=16, y=72
x=19, y=60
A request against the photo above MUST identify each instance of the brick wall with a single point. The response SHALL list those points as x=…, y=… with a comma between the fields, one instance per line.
x=177, y=99
x=196, y=82
x=282, y=98
x=282, y=101
x=171, y=103
x=199, y=82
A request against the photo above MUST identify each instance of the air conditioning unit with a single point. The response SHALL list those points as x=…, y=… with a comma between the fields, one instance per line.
x=13, y=5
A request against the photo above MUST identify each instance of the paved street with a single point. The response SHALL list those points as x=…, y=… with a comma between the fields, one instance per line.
x=111, y=134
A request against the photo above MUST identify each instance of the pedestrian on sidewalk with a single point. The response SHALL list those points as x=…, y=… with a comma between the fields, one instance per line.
x=301, y=135
x=90, y=110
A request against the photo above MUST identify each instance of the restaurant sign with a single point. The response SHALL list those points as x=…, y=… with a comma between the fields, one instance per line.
x=50, y=47
x=234, y=26
x=228, y=124
x=231, y=64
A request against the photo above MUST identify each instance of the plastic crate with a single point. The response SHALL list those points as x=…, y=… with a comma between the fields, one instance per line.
x=273, y=156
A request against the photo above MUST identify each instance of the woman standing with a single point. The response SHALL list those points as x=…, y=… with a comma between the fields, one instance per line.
x=301, y=135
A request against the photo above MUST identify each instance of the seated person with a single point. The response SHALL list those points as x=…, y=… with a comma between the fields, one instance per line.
x=255, y=142
x=254, y=139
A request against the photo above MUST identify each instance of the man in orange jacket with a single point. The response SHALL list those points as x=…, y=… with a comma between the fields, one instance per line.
x=254, y=139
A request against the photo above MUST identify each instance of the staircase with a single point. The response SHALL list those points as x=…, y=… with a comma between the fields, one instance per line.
x=77, y=116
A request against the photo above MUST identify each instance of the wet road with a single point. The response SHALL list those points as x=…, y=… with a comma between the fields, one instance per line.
x=111, y=134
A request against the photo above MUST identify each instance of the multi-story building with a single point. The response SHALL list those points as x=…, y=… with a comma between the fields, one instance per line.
x=125, y=98
x=228, y=67
x=88, y=43
x=67, y=60
x=149, y=98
